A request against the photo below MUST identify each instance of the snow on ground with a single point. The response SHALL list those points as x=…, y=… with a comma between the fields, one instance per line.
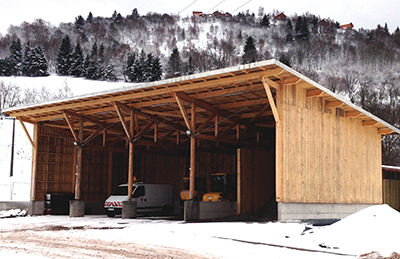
x=373, y=229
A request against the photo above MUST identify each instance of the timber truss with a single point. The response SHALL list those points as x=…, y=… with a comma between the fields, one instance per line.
x=233, y=107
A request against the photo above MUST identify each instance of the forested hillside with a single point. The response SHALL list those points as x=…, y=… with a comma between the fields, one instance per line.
x=362, y=65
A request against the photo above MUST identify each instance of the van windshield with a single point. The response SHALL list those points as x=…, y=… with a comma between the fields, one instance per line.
x=122, y=191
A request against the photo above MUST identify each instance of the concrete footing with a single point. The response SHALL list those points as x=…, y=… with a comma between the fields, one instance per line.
x=199, y=210
x=191, y=210
x=129, y=209
x=76, y=208
x=307, y=211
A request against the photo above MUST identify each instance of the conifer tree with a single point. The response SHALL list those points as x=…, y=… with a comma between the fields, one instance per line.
x=130, y=61
x=289, y=30
x=89, y=19
x=79, y=23
x=265, y=21
x=38, y=62
x=250, y=52
x=174, y=68
x=15, y=60
x=26, y=65
x=64, y=57
x=139, y=68
x=109, y=74
x=91, y=71
x=153, y=70
x=77, y=64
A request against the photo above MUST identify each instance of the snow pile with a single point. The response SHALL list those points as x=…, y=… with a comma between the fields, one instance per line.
x=375, y=228
x=13, y=213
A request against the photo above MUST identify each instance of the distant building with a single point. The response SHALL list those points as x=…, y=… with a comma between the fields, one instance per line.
x=280, y=16
x=197, y=14
x=216, y=14
x=347, y=26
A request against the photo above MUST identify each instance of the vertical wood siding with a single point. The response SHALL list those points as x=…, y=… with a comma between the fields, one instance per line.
x=327, y=158
x=391, y=195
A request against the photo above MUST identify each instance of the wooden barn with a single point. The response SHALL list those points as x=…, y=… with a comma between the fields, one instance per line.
x=288, y=140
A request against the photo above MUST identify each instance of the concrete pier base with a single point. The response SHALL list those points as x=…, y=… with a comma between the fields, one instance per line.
x=129, y=209
x=306, y=211
x=191, y=210
x=76, y=208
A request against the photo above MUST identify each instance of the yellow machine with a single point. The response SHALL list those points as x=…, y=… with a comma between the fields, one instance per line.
x=200, y=189
x=223, y=188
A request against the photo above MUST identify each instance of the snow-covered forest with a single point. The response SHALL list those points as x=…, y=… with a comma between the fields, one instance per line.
x=361, y=65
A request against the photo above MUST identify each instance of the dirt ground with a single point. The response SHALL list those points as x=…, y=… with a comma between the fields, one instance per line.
x=52, y=241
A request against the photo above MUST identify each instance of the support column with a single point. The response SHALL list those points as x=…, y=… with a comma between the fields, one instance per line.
x=110, y=167
x=34, y=161
x=79, y=162
x=192, y=152
x=130, y=168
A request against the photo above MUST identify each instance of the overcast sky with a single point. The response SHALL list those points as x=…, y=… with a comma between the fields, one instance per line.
x=363, y=13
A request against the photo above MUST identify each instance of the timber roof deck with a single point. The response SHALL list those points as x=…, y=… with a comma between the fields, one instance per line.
x=161, y=111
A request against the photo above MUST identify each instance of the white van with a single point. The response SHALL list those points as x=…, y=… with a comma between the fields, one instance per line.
x=150, y=198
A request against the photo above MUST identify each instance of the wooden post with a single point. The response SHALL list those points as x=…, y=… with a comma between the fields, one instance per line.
x=110, y=167
x=79, y=162
x=130, y=167
x=239, y=181
x=192, y=151
x=34, y=161
x=279, y=148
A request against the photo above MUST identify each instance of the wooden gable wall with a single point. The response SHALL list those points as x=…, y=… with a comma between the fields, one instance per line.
x=324, y=157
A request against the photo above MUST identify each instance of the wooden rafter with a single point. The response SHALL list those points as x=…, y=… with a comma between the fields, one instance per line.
x=183, y=111
x=66, y=116
x=369, y=123
x=152, y=117
x=351, y=114
x=203, y=104
x=26, y=133
x=110, y=127
x=123, y=122
x=334, y=104
x=267, y=82
x=314, y=93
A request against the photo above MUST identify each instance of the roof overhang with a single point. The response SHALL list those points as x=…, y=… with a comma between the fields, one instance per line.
x=233, y=97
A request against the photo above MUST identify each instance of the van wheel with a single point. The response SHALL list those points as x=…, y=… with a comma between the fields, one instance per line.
x=110, y=214
x=219, y=199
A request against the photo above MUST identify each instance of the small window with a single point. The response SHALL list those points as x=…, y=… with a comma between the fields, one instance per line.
x=139, y=192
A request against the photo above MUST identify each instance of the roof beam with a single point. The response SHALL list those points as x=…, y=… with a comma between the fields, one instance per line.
x=183, y=111
x=385, y=131
x=71, y=128
x=26, y=132
x=153, y=117
x=314, y=93
x=105, y=125
x=369, y=123
x=352, y=114
x=267, y=83
x=206, y=106
x=334, y=104
x=122, y=119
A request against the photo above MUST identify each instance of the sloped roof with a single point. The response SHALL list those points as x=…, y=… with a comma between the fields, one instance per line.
x=232, y=96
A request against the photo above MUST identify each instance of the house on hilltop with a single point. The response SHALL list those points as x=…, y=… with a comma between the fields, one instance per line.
x=347, y=26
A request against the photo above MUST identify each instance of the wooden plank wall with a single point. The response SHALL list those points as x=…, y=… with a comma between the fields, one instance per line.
x=327, y=158
x=94, y=179
x=208, y=163
x=391, y=193
x=256, y=178
x=55, y=164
